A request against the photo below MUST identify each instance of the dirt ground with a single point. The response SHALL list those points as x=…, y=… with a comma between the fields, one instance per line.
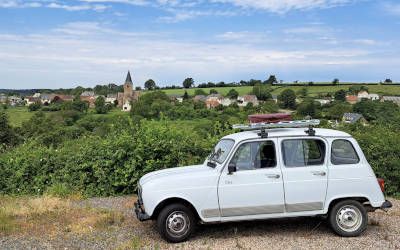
x=109, y=223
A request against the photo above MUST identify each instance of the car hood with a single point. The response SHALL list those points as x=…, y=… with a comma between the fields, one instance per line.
x=170, y=172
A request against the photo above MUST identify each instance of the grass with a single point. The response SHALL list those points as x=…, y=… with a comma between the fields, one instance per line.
x=18, y=115
x=312, y=90
x=48, y=215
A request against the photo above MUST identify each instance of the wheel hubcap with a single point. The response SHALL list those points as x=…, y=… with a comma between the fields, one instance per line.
x=177, y=223
x=349, y=218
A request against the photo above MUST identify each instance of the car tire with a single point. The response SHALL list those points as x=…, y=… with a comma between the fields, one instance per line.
x=348, y=218
x=176, y=223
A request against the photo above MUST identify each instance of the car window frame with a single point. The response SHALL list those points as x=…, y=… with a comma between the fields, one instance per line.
x=272, y=139
x=282, y=140
x=354, y=149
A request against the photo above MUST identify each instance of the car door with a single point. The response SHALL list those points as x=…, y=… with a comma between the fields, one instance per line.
x=256, y=187
x=305, y=173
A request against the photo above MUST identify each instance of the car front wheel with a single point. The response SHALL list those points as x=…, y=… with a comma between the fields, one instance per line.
x=348, y=218
x=176, y=223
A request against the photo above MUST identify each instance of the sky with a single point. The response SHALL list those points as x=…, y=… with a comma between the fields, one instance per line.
x=64, y=44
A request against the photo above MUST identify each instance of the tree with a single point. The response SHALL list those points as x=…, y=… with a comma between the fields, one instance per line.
x=340, y=95
x=287, y=99
x=199, y=92
x=150, y=84
x=262, y=92
x=336, y=111
x=188, y=83
x=303, y=92
x=388, y=81
x=232, y=94
x=335, y=81
x=271, y=80
x=213, y=91
x=8, y=137
x=35, y=106
x=185, y=96
x=307, y=108
x=100, y=105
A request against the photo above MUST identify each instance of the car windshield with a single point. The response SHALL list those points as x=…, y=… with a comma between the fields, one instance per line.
x=221, y=150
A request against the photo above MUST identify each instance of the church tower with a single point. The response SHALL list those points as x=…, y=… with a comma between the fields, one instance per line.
x=128, y=86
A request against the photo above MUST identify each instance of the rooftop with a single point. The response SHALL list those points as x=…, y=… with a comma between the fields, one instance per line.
x=286, y=132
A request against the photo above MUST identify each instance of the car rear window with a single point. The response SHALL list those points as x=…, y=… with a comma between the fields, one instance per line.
x=303, y=152
x=343, y=153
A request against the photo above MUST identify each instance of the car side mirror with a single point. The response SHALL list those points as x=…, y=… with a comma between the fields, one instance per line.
x=231, y=168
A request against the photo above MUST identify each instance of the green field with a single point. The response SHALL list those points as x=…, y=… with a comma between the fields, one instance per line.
x=312, y=90
x=18, y=115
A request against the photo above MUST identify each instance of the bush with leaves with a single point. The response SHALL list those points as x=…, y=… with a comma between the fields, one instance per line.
x=287, y=99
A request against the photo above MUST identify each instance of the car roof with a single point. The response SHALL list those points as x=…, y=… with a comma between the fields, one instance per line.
x=286, y=132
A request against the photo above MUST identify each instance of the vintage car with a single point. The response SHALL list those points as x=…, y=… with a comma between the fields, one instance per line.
x=278, y=170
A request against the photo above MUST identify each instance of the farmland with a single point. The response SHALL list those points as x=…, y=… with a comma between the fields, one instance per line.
x=312, y=90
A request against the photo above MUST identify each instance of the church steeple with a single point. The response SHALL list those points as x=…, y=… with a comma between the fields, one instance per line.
x=128, y=78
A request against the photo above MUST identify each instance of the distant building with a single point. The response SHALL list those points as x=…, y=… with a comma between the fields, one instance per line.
x=275, y=98
x=89, y=99
x=246, y=99
x=323, y=101
x=62, y=98
x=111, y=98
x=128, y=96
x=362, y=95
x=88, y=93
x=373, y=97
x=352, y=99
x=46, y=98
x=395, y=99
x=36, y=95
x=353, y=118
x=175, y=97
x=31, y=100
x=212, y=103
x=200, y=98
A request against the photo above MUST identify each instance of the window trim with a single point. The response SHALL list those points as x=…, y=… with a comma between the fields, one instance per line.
x=258, y=141
x=303, y=138
x=354, y=149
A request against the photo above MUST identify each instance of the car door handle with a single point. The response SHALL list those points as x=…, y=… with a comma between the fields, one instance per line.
x=273, y=176
x=319, y=173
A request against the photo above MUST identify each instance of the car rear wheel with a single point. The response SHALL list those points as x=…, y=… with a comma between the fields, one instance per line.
x=348, y=218
x=176, y=223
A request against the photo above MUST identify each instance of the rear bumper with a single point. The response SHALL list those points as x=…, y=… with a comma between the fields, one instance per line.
x=140, y=213
x=386, y=204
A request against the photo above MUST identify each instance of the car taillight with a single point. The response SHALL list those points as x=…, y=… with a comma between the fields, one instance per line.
x=381, y=184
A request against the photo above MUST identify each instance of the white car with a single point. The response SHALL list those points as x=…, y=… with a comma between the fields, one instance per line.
x=266, y=173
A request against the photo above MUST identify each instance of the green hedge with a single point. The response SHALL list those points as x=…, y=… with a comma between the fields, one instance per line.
x=96, y=165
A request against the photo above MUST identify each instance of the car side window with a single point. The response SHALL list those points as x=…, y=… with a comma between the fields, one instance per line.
x=303, y=152
x=343, y=153
x=255, y=155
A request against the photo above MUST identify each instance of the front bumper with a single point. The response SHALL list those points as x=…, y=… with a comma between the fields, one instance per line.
x=140, y=213
x=386, y=204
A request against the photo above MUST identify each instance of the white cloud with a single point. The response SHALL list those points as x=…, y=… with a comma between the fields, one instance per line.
x=283, y=6
x=93, y=53
x=51, y=5
x=392, y=8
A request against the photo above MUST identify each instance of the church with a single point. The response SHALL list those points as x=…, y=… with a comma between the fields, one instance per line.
x=126, y=98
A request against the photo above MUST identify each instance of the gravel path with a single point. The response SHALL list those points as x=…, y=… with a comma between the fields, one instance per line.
x=296, y=233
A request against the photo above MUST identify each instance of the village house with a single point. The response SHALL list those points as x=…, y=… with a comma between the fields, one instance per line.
x=111, y=98
x=88, y=93
x=31, y=100
x=395, y=99
x=275, y=98
x=200, y=98
x=15, y=100
x=128, y=96
x=323, y=101
x=365, y=95
x=214, y=100
x=246, y=99
x=62, y=98
x=46, y=98
x=353, y=118
x=89, y=99
x=175, y=97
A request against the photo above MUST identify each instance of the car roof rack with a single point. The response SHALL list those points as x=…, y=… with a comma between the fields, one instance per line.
x=262, y=126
